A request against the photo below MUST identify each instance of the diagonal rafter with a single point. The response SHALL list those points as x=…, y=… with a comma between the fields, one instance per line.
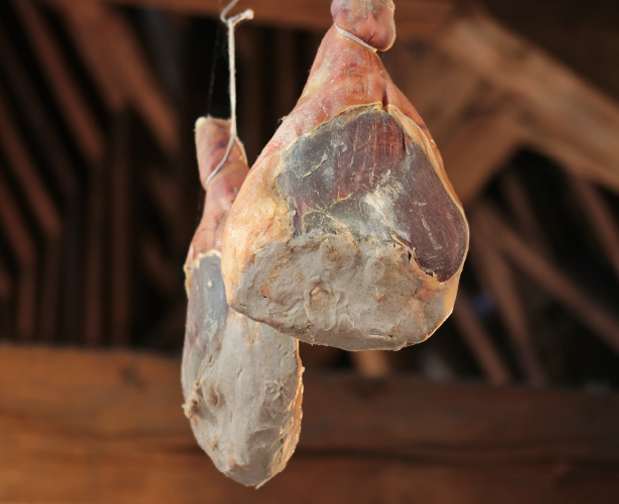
x=16, y=230
x=127, y=64
x=478, y=340
x=547, y=276
x=79, y=118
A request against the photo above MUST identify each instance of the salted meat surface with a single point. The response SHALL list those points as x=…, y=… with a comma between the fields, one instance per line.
x=347, y=231
x=241, y=379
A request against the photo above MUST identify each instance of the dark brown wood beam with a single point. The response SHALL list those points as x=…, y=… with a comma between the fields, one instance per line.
x=565, y=117
x=414, y=18
x=479, y=341
x=547, y=276
x=72, y=102
x=108, y=427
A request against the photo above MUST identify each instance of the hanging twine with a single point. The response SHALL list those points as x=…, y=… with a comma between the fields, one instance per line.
x=231, y=24
x=354, y=37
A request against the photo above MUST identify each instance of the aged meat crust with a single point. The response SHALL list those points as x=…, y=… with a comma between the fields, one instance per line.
x=353, y=169
x=242, y=383
x=241, y=379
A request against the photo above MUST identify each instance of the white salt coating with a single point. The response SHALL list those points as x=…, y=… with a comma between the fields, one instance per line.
x=241, y=380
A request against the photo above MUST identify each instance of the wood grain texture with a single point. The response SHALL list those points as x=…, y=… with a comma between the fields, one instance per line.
x=547, y=276
x=108, y=427
x=565, y=115
x=72, y=101
x=479, y=341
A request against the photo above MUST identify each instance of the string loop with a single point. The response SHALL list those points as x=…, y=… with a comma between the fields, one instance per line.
x=231, y=24
x=354, y=37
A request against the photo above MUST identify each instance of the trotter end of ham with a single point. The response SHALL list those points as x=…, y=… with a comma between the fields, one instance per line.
x=241, y=379
x=347, y=231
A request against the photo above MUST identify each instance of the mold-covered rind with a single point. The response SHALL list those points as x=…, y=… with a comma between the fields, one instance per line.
x=246, y=417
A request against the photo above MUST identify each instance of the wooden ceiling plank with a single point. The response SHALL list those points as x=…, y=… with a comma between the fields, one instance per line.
x=520, y=204
x=158, y=268
x=479, y=149
x=565, y=105
x=38, y=119
x=601, y=217
x=25, y=172
x=6, y=283
x=93, y=322
x=498, y=276
x=513, y=247
x=129, y=64
x=121, y=222
x=23, y=245
x=372, y=363
x=93, y=47
x=113, y=418
x=79, y=118
x=479, y=342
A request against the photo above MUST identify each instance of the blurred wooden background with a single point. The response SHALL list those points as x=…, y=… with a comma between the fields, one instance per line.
x=99, y=193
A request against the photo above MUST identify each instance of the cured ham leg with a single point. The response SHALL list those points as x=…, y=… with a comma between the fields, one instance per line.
x=241, y=379
x=347, y=231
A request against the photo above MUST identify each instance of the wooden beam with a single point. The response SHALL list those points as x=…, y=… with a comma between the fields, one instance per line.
x=499, y=278
x=158, y=267
x=414, y=18
x=93, y=47
x=108, y=427
x=77, y=113
x=479, y=149
x=125, y=58
x=6, y=284
x=121, y=223
x=26, y=173
x=520, y=205
x=371, y=363
x=38, y=118
x=561, y=108
x=478, y=340
x=601, y=218
x=548, y=277
x=16, y=230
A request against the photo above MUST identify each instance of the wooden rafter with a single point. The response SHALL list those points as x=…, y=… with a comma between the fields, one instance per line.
x=547, y=276
x=16, y=231
x=77, y=113
x=28, y=176
x=121, y=274
x=122, y=55
x=564, y=115
x=6, y=284
x=601, y=217
x=498, y=276
x=372, y=363
x=479, y=341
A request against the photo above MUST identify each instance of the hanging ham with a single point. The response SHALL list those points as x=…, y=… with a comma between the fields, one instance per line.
x=241, y=379
x=347, y=231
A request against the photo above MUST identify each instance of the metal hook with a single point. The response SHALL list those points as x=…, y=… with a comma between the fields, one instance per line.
x=247, y=14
